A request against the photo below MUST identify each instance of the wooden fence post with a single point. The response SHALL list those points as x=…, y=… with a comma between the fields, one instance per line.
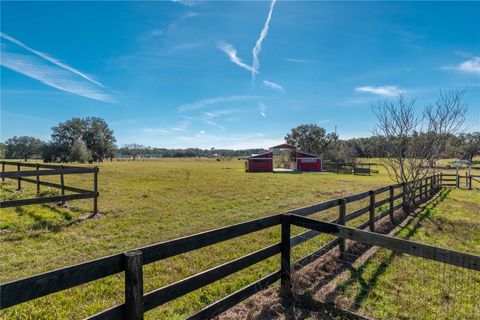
x=95, y=190
x=37, y=167
x=342, y=210
x=62, y=183
x=432, y=185
x=441, y=179
x=404, y=198
x=3, y=170
x=457, y=179
x=285, y=268
x=425, y=189
x=372, y=210
x=420, y=189
x=392, y=190
x=19, y=183
x=134, y=285
x=468, y=179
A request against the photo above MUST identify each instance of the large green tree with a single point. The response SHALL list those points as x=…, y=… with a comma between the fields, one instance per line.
x=93, y=131
x=470, y=145
x=24, y=147
x=311, y=138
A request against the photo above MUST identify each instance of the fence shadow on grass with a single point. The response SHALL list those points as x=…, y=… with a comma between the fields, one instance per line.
x=357, y=274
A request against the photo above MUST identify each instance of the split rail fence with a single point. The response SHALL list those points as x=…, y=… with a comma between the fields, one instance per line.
x=456, y=179
x=349, y=168
x=131, y=263
x=41, y=170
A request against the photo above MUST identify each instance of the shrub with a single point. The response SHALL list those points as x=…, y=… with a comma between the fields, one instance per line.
x=79, y=152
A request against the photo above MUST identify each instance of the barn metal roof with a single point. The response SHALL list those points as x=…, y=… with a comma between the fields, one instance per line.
x=284, y=146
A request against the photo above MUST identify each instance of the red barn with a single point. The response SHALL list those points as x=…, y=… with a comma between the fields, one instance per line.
x=308, y=162
x=260, y=162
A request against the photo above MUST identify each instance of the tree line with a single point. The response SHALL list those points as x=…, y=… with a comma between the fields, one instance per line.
x=414, y=135
x=313, y=139
x=75, y=140
x=137, y=150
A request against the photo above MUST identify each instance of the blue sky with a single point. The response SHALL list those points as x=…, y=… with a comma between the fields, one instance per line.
x=229, y=74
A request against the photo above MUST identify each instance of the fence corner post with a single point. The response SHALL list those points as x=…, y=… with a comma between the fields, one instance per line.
x=285, y=268
x=3, y=170
x=133, y=285
x=342, y=210
x=372, y=210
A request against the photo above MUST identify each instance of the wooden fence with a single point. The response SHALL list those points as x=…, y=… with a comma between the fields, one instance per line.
x=50, y=170
x=137, y=302
x=456, y=180
x=349, y=168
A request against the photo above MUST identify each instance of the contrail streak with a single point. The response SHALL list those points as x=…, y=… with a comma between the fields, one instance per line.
x=258, y=46
x=49, y=58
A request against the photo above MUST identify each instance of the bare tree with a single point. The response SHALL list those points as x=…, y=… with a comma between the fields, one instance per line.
x=414, y=140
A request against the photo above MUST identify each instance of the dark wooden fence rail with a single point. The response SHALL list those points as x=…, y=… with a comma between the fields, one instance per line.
x=457, y=178
x=51, y=170
x=136, y=302
x=349, y=168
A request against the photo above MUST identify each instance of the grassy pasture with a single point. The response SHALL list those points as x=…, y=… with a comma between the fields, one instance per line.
x=389, y=286
x=145, y=202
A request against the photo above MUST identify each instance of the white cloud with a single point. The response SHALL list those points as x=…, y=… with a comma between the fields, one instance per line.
x=258, y=45
x=298, y=60
x=470, y=66
x=55, y=77
x=219, y=113
x=273, y=85
x=211, y=101
x=388, y=91
x=215, y=124
x=49, y=58
x=188, y=3
x=232, y=54
x=155, y=130
x=263, y=109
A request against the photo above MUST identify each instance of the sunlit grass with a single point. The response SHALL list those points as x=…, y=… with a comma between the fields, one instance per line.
x=393, y=286
x=145, y=202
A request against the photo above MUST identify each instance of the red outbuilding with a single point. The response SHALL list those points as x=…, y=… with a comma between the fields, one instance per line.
x=308, y=162
x=260, y=162
x=288, y=157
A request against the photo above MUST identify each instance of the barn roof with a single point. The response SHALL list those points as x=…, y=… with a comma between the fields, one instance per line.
x=308, y=155
x=261, y=155
x=284, y=146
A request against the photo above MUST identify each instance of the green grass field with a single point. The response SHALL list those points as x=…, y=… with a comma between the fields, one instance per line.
x=145, y=202
x=392, y=286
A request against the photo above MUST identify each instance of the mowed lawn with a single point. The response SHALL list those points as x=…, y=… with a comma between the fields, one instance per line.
x=145, y=202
